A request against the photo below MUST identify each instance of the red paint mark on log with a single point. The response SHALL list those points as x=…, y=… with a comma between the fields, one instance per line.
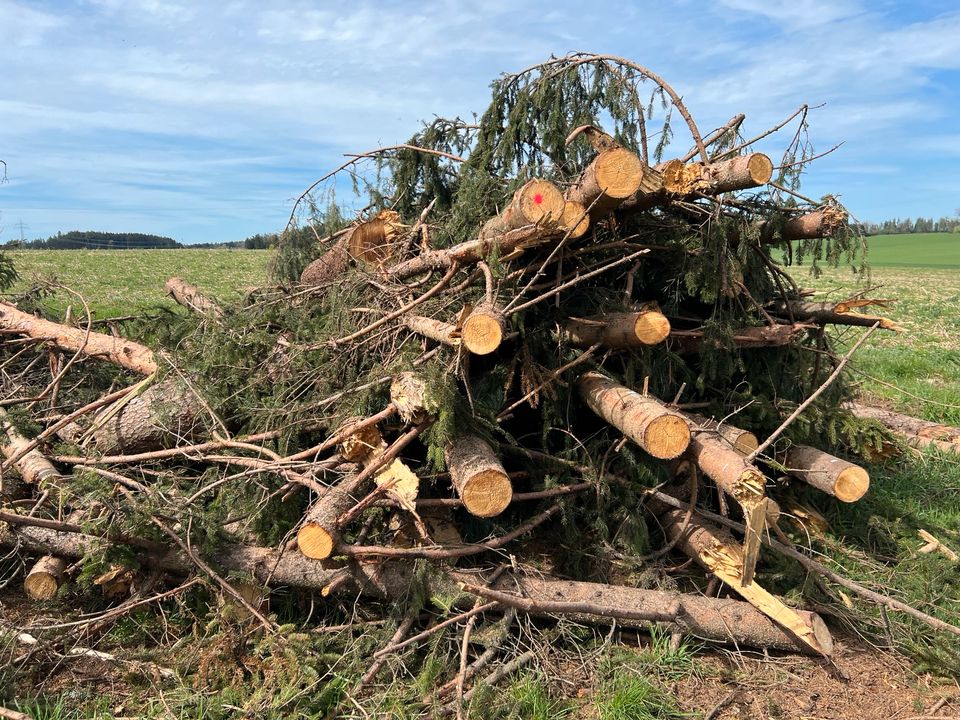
x=538, y=198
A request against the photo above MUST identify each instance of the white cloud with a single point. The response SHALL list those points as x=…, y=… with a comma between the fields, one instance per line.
x=23, y=26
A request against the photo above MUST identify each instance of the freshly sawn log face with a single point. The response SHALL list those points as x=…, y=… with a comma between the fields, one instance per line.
x=125, y=353
x=484, y=329
x=539, y=202
x=575, y=219
x=711, y=619
x=619, y=330
x=844, y=480
x=317, y=538
x=659, y=431
x=45, y=577
x=613, y=176
x=478, y=477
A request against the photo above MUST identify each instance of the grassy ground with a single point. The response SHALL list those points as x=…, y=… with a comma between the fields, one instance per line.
x=582, y=673
x=118, y=282
x=920, y=250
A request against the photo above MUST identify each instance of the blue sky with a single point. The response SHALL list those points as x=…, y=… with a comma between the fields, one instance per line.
x=202, y=121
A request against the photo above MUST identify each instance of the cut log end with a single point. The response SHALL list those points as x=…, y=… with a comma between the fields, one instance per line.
x=540, y=201
x=618, y=172
x=43, y=580
x=666, y=437
x=575, y=219
x=316, y=542
x=487, y=493
x=652, y=327
x=852, y=484
x=760, y=168
x=483, y=331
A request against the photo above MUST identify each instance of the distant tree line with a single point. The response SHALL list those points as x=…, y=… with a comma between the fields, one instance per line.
x=96, y=240
x=908, y=225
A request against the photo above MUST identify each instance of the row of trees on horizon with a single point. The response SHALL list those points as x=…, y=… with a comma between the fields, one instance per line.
x=95, y=240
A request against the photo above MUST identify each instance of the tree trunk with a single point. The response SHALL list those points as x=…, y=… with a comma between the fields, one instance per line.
x=828, y=313
x=714, y=620
x=619, y=330
x=319, y=535
x=472, y=251
x=716, y=550
x=478, y=477
x=659, y=431
x=844, y=480
x=34, y=467
x=125, y=353
x=190, y=297
x=45, y=578
x=917, y=432
x=329, y=266
x=442, y=332
x=816, y=224
x=726, y=467
x=539, y=202
x=692, y=341
x=743, y=441
x=160, y=417
x=613, y=176
x=738, y=173
x=484, y=329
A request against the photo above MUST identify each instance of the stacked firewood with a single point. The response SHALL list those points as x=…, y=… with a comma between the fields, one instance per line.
x=433, y=327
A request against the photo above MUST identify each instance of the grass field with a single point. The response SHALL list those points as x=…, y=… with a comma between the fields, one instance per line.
x=116, y=282
x=920, y=250
x=873, y=541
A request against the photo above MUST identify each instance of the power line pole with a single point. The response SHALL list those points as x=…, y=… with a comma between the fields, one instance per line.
x=21, y=226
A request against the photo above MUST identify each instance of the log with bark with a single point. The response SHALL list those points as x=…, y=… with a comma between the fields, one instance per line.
x=614, y=175
x=844, y=480
x=917, y=433
x=829, y=313
x=709, y=619
x=33, y=465
x=478, y=476
x=662, y=433
x=648, y=326
x=764, y=336
x=125, y=353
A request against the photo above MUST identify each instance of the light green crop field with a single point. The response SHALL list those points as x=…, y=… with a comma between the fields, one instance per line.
x=920, y=250
x=118, y=282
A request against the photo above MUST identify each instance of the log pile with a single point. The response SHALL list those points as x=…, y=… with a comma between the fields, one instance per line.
x=521, y=369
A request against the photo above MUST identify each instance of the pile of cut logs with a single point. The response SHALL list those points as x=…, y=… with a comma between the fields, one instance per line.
x=468, y=307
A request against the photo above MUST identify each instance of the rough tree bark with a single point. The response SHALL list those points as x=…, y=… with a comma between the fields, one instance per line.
x=743, y=441
x=828, y=313
x=34, y=467
x=738, y=173
x=437, y=330
x=125, y=353
x=917, y=432
x=659, y=431
x=714, y=620
x=692, y=341
x=159, y=417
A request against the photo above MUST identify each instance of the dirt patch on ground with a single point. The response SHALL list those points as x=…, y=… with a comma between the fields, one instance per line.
x=865, y=684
